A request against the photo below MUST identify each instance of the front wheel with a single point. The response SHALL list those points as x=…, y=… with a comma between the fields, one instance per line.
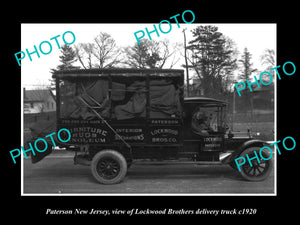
x=109, y=167
x=259, y=170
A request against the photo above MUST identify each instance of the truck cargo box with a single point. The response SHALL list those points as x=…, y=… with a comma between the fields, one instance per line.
x=109, y=106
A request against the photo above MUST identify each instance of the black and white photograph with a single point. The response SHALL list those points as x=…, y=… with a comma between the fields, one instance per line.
x=145, y=112
x=125, y=111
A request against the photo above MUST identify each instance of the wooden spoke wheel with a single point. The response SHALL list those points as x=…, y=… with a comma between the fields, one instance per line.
x=109, y=167
x=259, y=170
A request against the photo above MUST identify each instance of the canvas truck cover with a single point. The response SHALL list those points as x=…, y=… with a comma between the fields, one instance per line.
x=102, y=106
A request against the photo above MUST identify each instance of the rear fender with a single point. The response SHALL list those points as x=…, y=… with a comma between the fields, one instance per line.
x=38, y=156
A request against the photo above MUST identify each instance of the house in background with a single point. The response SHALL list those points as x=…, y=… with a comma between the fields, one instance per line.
x=38, y=101
x=263, y=98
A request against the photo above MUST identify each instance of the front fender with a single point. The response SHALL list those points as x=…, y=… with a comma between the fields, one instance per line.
x=245, y=145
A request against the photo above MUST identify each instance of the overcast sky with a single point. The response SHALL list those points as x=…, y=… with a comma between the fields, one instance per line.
x=256, y=37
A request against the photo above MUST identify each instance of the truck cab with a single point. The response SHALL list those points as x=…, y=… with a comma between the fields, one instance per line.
x=204, y=128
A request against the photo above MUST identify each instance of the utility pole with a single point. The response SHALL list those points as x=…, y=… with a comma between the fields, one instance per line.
x=186, y=66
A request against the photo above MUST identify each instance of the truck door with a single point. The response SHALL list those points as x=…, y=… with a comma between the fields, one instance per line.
x=203, y=126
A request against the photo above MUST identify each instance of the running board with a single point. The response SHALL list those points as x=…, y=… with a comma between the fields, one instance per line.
x=177, y=162
x=223, y=159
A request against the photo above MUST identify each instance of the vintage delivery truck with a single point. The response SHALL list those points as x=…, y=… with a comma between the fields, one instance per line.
x=117, y=117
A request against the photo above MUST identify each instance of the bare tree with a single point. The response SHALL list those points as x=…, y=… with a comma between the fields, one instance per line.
x=106, y=51
x=136, y=55
x=268, y=59
x=102, y=53
x=151, y=54
x=84, y=53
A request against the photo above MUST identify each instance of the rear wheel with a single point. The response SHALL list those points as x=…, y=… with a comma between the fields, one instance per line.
x=109, y=167
x=259, y=170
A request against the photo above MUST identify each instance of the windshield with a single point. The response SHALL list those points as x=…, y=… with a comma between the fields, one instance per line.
x=208, y=120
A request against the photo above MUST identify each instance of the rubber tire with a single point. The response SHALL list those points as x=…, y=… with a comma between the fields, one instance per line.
x=117, y=157
x=255, y=178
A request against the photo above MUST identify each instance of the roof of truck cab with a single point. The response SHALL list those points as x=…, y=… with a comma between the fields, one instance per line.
x=87, y=73
x=204, y=100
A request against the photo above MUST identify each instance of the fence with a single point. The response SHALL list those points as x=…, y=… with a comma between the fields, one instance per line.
x=32, y=118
